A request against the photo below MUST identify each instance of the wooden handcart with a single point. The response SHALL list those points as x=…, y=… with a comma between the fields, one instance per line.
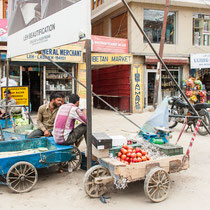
x=155, y=173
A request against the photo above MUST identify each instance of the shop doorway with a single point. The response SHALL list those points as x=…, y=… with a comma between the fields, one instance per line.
x=167, y=86
x=150, y=89
x=32, y=80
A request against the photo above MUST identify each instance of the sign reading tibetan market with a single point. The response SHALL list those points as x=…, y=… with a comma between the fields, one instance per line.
x=113, y=59
x=20, y=94
x=68, y=53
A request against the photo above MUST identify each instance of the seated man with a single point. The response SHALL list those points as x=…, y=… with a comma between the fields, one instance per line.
x=46, y=117
x=11, y=101
x=64, y=132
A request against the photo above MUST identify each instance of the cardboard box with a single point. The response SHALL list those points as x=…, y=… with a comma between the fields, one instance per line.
x=101, y=141
x=118, y=140
x=102, y=153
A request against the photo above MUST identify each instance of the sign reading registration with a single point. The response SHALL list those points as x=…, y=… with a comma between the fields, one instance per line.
x=113, y=59
x=20, y=94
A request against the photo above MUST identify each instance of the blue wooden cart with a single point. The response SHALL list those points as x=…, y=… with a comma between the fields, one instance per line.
x=20, y=159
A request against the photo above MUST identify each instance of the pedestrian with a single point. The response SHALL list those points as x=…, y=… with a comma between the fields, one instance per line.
x=46, y=117
x=64, y=131
x=11, y=102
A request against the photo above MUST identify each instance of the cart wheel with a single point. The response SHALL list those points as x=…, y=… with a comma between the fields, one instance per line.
x=74, y=164
x=157, y=184
x=21, y=177
x=91, y=188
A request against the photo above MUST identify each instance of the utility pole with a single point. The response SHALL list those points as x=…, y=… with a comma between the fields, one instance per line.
x=159, y=66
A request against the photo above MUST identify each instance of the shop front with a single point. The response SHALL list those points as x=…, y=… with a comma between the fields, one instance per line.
x=168, y=88
x=43, y=78
x=117, y=81
x=115, y=78
x=200, y=69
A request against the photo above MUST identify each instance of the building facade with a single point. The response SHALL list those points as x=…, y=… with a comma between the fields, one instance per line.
x=187, y=32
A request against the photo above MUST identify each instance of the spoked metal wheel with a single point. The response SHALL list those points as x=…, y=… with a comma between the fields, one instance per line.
x=96, y=180
x=73, y=164
x=21, y=177
x=157, y=185
x=172, y=120
x=206, y=119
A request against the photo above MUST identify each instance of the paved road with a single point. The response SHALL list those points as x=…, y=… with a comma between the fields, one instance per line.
x=190, y=189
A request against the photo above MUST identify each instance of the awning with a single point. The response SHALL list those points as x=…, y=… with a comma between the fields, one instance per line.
x=167, y=60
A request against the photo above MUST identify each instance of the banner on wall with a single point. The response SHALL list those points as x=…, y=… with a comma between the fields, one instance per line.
x=68, y=53
x=45, y=24
x=108, y=44
x=200, y=61
x=20, y=94
x=137, y=88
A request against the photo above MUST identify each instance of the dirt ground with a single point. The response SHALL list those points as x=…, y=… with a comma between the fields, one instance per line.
x=190, y=189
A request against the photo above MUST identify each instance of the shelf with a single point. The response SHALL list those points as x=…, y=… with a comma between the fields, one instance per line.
x=60, y=90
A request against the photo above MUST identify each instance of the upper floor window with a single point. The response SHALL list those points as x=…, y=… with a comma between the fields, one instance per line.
x=201, y=29
x=153, y=22
x=98, y=29
x=120, y=26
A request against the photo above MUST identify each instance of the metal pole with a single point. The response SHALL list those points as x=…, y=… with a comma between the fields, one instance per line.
x=159, y=66
x=91, y=91
x=7, y=84
x=88, y=101
x=162, y=62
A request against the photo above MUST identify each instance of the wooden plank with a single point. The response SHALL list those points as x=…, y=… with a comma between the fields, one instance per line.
x=138, y=171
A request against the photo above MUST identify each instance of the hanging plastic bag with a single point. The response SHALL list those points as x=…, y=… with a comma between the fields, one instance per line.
x=158, y=119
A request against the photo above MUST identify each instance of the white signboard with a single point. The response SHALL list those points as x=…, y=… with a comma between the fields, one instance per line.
x=35, y=25
x=200, y=61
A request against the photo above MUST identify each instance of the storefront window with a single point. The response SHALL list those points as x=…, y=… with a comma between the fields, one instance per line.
x=153, y=22
x=201, y=30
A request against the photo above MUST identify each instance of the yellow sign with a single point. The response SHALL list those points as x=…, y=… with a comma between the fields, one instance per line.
x=20, y=94
x=82, y=79
x=67, y=53
x=137, y=88
x=111, y=59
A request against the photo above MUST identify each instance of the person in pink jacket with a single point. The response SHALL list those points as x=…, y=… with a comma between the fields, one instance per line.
x=64, y=131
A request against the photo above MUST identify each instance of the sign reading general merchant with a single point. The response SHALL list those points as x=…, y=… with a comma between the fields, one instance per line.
x=113, y=59
x=67, y=53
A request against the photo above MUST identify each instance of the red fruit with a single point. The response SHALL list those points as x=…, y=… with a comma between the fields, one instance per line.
x=139, y=159
x=139, y=154
x=123, y=157
x=125, y=146
x=133, y=155
x=147, y=156
x=129, y=147
x=138, y=149
x=130, y=151
x=128, y=159
x=144, y=158
x=129, y=154
x=124, y=151
x=134, y=160
x=143, y=152
x=134, y=151
x=119, y=154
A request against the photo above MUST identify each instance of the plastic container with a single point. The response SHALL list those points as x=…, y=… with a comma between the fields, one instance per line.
x=170, y=149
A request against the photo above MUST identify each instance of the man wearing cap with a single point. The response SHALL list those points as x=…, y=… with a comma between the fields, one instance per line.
x=3, y=103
